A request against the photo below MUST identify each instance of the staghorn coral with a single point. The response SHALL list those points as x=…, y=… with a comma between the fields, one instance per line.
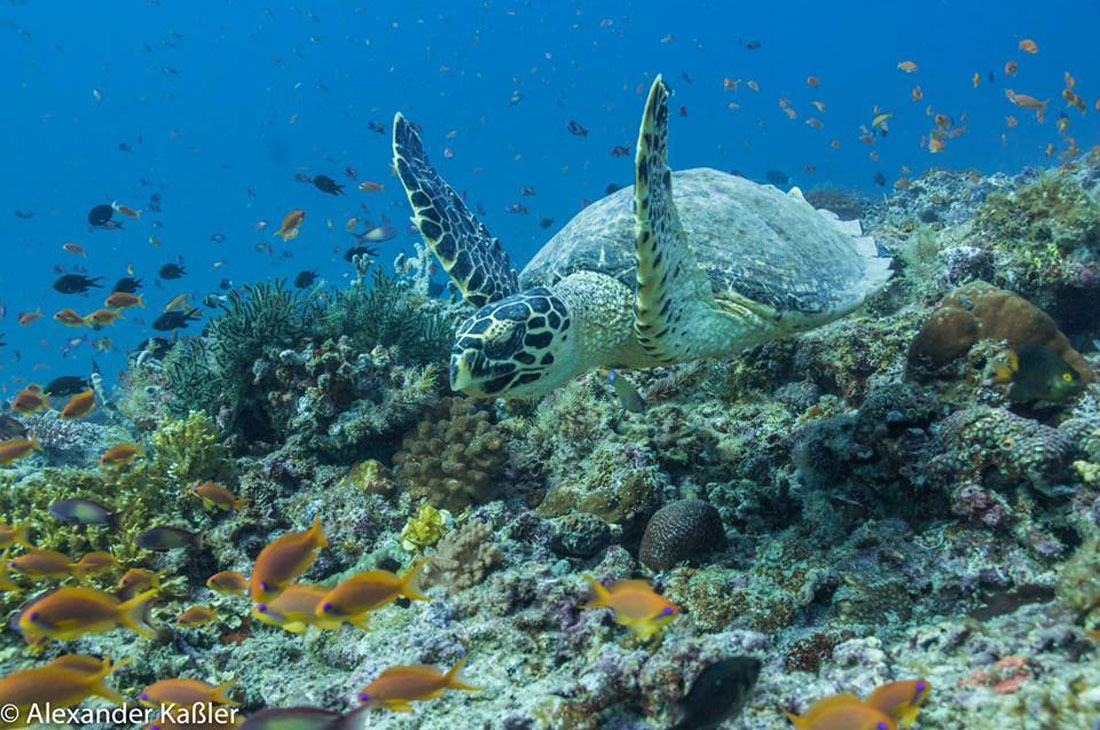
x=454, y=456
x=981, y=311
x=678, y=531
x=462, y=558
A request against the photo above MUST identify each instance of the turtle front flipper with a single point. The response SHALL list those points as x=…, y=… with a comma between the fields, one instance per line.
x=675, y=316
x=468, y=253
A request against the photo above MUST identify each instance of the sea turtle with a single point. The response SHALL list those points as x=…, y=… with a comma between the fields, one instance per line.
x=678, y=267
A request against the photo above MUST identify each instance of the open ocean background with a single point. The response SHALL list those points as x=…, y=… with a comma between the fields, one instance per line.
x=220, y=104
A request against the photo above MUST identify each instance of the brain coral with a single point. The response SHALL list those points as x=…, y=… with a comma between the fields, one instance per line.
x=980, y=310
x=453, y=457
x=680, y=530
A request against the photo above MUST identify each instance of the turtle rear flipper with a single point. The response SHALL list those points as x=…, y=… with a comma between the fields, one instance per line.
x=675, y=315
x=468, y=253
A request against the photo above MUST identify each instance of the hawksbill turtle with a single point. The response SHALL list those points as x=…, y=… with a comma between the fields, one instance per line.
x=680, y=266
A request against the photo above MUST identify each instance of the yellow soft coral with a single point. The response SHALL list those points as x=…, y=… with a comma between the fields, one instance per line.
x=426, y=528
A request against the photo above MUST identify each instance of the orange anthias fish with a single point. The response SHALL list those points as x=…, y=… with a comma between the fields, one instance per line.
x=15, y=535
x=74, y=248
x=71, y=612
x=178, y=302
x=283, y=560
x=124, y=300
x=64, y=682
x=353, y=598
x=635, y=604
x=196, y=616
x=371, y=187
x=900, y=700
x=813, y=81
x=185, y=693
x=976, y=79
x=215, y=495
x=103, y=316
x=37, y=563
x=396, y=687
x=907, y=66
x=1024, y=101
x=29, y=318
x=1011, y=67
x=94, y=563
x=30, y=400
x=916, y=94
x=295, y=609
x=69, y=318
x=135, y=581
x=291, y=223
x=120, y=453
x=936, y=144
x=79, y=405
x=16, y=448
x=841, y=712
x=1029, y=46
x=126, y=210
x=227, y=581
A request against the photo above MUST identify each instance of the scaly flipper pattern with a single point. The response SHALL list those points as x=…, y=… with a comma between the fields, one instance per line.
x=468, y=253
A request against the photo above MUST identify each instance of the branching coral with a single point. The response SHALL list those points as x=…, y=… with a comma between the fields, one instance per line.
x=454, y=457
x=462, y=558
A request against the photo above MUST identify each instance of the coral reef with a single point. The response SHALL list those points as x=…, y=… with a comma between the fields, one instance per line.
x=826, y=503
x=620, y=484
x=454, y=457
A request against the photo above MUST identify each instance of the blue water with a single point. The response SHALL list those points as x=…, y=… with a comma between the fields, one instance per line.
x=222, y=103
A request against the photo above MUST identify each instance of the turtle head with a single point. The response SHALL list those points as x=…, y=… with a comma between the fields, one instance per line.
x=516, y=347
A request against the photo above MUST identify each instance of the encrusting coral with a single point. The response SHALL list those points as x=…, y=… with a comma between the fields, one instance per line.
x=981, y=311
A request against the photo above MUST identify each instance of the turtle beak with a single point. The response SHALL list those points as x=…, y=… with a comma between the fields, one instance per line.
x=462, y=377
